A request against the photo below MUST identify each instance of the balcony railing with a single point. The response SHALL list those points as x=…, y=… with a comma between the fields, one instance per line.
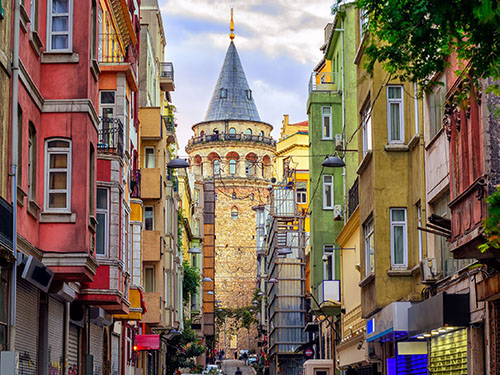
x=5, y=223
x=169, y=123
x=328, y=291
x=353, y=198
x=167, y=70
x=135, y=183
x=110, y=136
x=324, y=81
x=231, y=137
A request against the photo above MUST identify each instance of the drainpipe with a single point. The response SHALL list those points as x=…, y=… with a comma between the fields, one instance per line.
x=14, y=161
x=423, y=199
x=66, y=336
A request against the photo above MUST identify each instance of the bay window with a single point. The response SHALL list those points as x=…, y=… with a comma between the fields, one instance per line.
x=102, y=215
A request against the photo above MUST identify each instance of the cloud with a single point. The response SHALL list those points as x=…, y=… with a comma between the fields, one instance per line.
x=291, y=28
x=278, y=43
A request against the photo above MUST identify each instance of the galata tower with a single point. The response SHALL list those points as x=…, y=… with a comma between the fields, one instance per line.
x=234, y=148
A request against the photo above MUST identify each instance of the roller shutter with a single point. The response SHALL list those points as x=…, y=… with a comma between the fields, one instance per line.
x=27, y=327
x=73, y=349
x=56, y=334
x=96, y=347
x=449, y=354
x=115, y=354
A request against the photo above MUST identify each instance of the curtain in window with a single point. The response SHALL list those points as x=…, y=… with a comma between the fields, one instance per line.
x=395, y=125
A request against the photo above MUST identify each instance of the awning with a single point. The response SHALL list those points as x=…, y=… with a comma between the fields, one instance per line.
x=442, y=310
x=389, y=324
x=147, y=342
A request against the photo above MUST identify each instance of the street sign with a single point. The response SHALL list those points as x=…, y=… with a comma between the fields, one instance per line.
x=309, y=352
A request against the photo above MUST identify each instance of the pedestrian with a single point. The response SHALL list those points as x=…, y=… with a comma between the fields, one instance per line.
x=235, y=355
x=222, y=354
x=238, y=371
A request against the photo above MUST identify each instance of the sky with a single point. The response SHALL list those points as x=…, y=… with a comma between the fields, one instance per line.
x=278, y=42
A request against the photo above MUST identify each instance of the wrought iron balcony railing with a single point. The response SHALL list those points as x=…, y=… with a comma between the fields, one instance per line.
x=110, y=136
x=167, y=70
x=169, y=123
x=324, y=81
x=231, y=137
x=353, y=198
x=135, y=183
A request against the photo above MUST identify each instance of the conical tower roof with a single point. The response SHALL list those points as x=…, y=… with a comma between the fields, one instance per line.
x=232, y=98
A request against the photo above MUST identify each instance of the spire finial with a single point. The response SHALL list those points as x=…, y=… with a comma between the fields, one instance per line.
x=231, y=36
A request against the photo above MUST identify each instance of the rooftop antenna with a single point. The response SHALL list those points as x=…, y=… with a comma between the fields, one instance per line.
x=231, y=36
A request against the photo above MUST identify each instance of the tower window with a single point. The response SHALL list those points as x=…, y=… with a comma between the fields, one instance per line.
x=233, y=195
x=234, y=213
x=223, y=93
x=249, y=94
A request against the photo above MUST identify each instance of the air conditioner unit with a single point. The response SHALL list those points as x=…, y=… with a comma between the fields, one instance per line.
x=37, y=274
x=339, y=144
x=428, y=270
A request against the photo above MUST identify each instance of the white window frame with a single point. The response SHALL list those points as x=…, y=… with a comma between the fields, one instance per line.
x=235, y=163
x=104, y=211
x=70, y=27
x=404, y=225
x=329, y=251
x=302, y=196
x=153, y=218
x=363, y=20
x=369, y=231
x=323, y=117
x=58, y=150
x=146, y=164
x=216, y=163
x=400, y=102
x=366, y=124
x=325, y=184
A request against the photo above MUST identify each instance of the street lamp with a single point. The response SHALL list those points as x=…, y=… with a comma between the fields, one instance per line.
x=333, y=161
x=207, y=279
x=210, y=293
x=177, y=163
x=194, y=250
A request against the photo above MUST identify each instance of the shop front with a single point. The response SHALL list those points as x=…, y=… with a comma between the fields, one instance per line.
x=441, y=323
x=385, y=331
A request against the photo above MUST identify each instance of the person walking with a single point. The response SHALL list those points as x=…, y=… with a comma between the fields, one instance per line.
x=238, y=371
x=235, y=355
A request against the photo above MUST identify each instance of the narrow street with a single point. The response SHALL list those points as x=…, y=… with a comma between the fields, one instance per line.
x=229, y=367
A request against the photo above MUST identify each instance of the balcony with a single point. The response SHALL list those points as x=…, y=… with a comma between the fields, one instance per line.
x=151, y=246
x=324, y=81
x=329, y=291
x=207, y=138
x=110, y=136
x=353, y=201
x=135, y=183
x=150, y=183
x=167, y=76
x=153, y=308
x=151, y=122
x=5, y=224
x=168, y=122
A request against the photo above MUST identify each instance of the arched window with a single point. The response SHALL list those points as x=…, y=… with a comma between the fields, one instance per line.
x=232, y=131
x=223, y=93
x=248, y=131
x=216, y=131
x=252, y=197
x=261, y=133
x=202, y=133
x=233, y=195
x=216, y=167
x=232, y=166
x=234, y=213
x=249, y=167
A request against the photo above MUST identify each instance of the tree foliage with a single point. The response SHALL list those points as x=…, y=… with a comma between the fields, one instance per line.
x=191, y=281
x=183, y=349
x=412, y=39
x=491, y=223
